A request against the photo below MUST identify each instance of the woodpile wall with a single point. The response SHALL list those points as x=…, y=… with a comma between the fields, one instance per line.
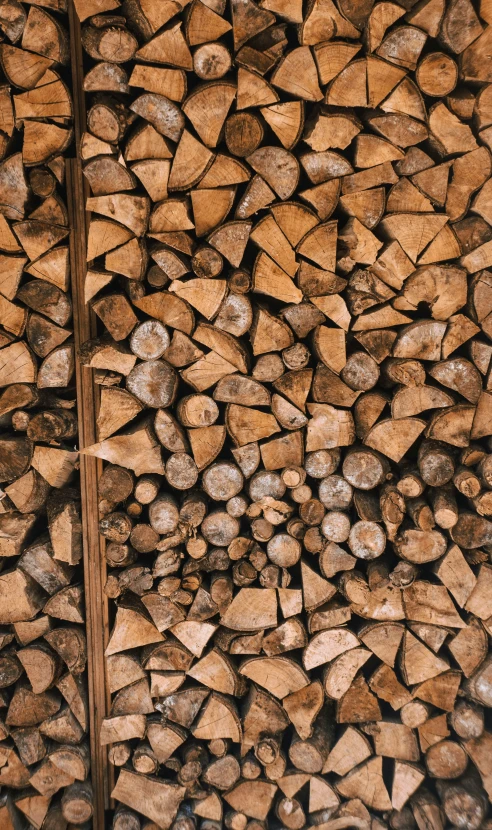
x=288, y=242
x=44, y=720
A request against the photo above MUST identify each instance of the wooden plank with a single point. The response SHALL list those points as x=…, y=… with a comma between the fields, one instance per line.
x=90, y=468
x=77, y=67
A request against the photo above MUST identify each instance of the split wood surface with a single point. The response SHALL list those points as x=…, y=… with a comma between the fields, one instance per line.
x=288, y=254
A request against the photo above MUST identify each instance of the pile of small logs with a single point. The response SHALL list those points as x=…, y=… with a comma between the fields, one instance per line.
x=291, y=209
x=44, y=756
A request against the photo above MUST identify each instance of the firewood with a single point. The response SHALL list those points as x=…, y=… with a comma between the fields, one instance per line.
x=375, y=796
x=294, y=412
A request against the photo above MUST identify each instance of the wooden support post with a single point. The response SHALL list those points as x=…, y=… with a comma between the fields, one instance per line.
x=90, y=468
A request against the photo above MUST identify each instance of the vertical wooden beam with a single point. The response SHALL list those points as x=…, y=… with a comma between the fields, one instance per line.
x=77, y=69
x=90, y=468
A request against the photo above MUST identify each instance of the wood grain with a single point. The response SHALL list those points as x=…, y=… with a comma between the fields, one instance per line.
x=90, y=468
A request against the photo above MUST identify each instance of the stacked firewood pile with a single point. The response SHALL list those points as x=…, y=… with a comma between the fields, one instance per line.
x=290, y=233
x=44, y=755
